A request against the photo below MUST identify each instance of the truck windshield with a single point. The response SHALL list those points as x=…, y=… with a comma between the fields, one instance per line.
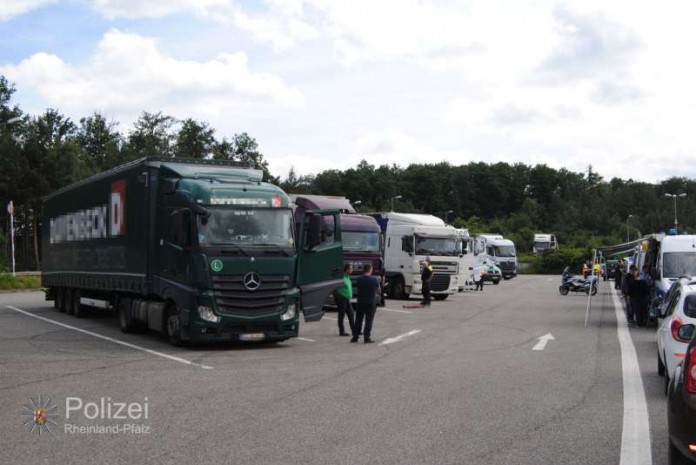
x=436, y=246
x=360, y=241
x=504, y=250
x=246, y=227
x=675, y=264
x=542, y=245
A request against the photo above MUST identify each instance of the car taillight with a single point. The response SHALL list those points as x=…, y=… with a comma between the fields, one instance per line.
x=674, y=327
x=690, y=374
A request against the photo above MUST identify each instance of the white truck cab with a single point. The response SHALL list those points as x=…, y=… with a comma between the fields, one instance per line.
x=543, y=243
x=502, y=253
x=409, y=238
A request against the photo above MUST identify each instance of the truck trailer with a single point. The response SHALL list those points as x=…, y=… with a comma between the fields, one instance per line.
x=409, y=238
x=198, y=250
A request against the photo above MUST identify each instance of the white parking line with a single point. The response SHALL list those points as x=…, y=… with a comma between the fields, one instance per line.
x=393, y=310
x=305, y=339
x=635, y=438
x=115, y=341
x=400, y=337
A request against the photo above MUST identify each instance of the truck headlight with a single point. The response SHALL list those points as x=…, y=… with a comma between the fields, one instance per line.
x=289, y=313
x=207, y=314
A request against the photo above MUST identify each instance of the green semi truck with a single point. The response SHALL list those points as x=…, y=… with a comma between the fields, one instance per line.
x=198, y=250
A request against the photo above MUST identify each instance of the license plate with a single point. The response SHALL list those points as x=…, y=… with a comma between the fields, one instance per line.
x=252, y=337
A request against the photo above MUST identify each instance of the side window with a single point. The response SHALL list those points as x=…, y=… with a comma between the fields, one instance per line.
x=690, y=306
x=489, y=250
x=407, y=244
x=319, y=230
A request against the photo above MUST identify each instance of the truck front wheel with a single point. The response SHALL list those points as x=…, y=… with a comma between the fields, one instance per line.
x=60, y=298
x=399, y=288
x=173, y=326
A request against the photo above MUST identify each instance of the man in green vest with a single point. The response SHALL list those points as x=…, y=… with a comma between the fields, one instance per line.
x=342, y=296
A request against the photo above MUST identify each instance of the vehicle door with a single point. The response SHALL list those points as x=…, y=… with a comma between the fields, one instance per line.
x=663, y=323
x=320, y=260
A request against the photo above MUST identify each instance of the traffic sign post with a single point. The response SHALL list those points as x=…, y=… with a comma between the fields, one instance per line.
x=10, y=210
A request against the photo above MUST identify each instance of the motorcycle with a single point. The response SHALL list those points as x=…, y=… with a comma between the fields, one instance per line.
x=570, y=283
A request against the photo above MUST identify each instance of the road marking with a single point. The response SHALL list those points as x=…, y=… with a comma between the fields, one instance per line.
x=305, y=339
x=115, y=341
x=329, y=317
x=399, y=338
x=393, y=310
x=635, y=437
x=543, y=340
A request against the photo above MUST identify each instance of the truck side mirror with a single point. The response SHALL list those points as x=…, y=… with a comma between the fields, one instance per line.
x=407, y=244
x=181, y=227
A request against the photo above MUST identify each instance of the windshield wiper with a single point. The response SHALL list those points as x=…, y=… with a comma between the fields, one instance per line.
x=237, y=248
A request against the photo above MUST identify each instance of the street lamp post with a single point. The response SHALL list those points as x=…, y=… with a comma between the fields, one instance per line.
x=392, y=201
x=628, y=237
x=674, y=196
x=10, y=206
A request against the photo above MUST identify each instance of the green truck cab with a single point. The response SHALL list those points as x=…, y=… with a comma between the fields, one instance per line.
x=198, y=250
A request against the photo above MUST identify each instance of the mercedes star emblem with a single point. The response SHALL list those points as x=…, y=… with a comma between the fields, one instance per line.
x=252, y=281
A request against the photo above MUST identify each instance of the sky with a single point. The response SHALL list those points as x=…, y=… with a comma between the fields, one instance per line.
x=324, y=84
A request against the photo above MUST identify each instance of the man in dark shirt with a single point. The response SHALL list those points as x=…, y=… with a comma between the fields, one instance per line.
x=368, y=290
x=426, y=277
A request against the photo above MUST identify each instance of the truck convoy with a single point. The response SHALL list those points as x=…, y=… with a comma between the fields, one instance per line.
x=198, y=250
x=361, y=235
x=501, y=252
x=409, y=238
x=543, y=243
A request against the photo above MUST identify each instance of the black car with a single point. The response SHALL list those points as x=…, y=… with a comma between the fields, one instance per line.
x=610, y=269
x=681, y=405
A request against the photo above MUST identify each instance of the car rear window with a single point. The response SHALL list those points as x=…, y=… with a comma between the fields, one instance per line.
x=690, y=306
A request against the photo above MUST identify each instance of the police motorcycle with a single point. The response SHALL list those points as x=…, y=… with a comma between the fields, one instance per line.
x=570, y=283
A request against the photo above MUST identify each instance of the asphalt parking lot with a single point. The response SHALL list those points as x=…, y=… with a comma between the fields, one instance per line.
x=475, y=379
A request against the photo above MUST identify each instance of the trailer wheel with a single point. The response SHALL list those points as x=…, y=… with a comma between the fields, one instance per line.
x=56, y=299
x=77, y=309
x=125, y=317
x=60, y=299
x=68, y=300
x=173, y=326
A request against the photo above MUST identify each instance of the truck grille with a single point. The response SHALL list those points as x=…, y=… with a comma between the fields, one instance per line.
x=440, y=282
x=444, y=267
x=232, y=298
x=506, y=266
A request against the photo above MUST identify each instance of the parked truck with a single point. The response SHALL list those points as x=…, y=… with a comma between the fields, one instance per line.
x=501, y=252
x=409, y=238
x=467, y=259
x=198, y=250
x=361, y=234
x=543, y=243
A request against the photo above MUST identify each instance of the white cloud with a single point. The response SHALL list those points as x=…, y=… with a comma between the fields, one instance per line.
x=128, y=73
x=160, y=8
x=11, y=8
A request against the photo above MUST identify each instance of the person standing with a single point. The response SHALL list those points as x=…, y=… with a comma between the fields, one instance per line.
x=632, y=294
x=479, y=281
x=343, y=296
x=618, y=270
x=368, y=291
x=426, y=277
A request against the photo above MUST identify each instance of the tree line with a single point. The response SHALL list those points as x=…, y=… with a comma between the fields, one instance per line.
x=40, y=154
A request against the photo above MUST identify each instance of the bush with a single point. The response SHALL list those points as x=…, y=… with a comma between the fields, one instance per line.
x=554, y=261
x=7, y=281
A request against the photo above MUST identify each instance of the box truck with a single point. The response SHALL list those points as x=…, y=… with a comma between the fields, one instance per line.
x=198, y=250
x=409, y=238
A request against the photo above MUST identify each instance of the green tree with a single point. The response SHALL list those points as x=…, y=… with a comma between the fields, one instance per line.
x=194, y=140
